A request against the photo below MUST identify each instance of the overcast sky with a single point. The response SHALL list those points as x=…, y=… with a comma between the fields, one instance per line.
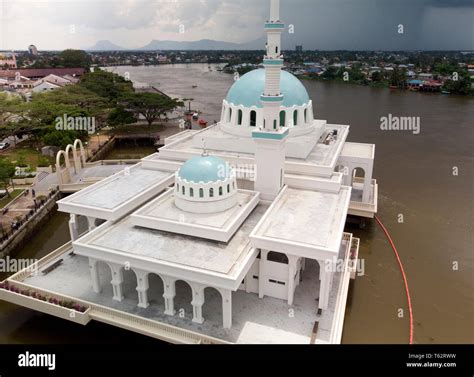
x=318, y=24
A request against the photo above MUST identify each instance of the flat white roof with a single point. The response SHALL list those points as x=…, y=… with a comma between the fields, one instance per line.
x=162, y=214
x=155, y=246
x=360, y=150
x=116, y=195
x=305, y=222
x=321, y=154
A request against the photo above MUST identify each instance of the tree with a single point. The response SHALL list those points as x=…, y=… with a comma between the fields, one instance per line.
x=120, y=116
x=74, y=58
x=107, y=85
x=7, y=171
x=12, y=110
x=397, y=77
x=149, y=105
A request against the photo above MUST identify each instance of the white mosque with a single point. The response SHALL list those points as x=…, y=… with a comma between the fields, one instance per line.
x=242, y=223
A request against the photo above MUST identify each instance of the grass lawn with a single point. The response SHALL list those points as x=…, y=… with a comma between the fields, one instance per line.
x=5, y=200
x=27, y=150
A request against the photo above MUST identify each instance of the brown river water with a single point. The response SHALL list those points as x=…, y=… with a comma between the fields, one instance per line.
x=415, y=177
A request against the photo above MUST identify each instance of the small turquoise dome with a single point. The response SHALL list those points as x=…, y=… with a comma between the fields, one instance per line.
x=247, y=90
x=204, y=169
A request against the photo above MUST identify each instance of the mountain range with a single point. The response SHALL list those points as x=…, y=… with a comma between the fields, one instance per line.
x=203, y=44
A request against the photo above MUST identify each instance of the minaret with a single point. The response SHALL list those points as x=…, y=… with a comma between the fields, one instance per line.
x=271, y=136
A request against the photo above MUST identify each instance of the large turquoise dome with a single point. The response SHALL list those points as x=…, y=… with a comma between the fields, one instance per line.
x=204, y=169
x=247, y=90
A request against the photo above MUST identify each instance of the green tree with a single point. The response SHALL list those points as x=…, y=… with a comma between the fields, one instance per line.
x=107, y=85
x=149, y=105
x=7, y=171
x=74, y=59
x=397, y=77
x=120, y=116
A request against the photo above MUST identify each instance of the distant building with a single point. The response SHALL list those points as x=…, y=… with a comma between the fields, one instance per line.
x=39, y=73
x=7, y=60
x=299, y=48
x=33, y=50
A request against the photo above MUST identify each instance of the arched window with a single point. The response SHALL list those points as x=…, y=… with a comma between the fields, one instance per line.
x=201, y=193
x=306, y=115
x=228, y=188
x=229, y=114
x=282, y=118
x=276, y=49
x=253, y=118
x=239, y=118
x=211, y=192
x=295, y=117
x=220, y=191
x=274, y=124
x=183, y=190
x=191, y=192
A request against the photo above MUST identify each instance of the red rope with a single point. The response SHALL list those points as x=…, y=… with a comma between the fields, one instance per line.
x=403, y=274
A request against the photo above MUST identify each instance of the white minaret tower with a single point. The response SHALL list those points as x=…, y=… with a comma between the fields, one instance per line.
x=270, y=138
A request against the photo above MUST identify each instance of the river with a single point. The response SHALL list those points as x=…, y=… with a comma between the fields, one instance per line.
x=416, y=182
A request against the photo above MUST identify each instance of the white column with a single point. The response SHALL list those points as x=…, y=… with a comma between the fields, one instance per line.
x=197, y=302
x=168, y=295
x=246, y=118
x=94, y=275
x=301, y=121
x=326, y=274
x=223, y=112
x=262, y=273
x=292, y=262
x=233, y=117
x=73, y=227
x=142, y=288
x=367, y=184
x=91, y=223
x=226, y=308
x=117, y=280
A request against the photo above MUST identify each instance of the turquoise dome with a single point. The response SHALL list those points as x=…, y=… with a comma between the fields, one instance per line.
x=204, y=169
x=247, y=90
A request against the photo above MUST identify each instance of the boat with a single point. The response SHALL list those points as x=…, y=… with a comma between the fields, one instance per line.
x=202, y=123
x=445, y=92
x=195, y=116
x=194, y=86
x=393, y=87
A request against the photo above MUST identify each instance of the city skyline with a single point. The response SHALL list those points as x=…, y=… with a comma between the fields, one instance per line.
x=321, y=24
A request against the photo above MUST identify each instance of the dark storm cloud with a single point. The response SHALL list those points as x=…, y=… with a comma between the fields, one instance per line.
x=318, y=24
x=374, y=24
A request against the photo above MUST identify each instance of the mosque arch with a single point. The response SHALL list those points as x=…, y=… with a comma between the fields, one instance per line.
x=282, y=118
x=295, y=117
x=253, y=118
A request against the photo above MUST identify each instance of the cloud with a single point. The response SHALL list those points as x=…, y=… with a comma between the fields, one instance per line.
x=319, y=24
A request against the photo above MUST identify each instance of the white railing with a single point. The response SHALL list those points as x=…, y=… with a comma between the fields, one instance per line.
x=98, y=312
x=146, y=326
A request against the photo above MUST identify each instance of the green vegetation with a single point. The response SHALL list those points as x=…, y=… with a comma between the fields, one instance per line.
x=7, y=171
x=107, y=98
x=151, y=106
x=8, y=198
x=31, y=155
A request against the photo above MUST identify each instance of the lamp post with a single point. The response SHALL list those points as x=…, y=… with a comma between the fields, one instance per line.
x=87, y=149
